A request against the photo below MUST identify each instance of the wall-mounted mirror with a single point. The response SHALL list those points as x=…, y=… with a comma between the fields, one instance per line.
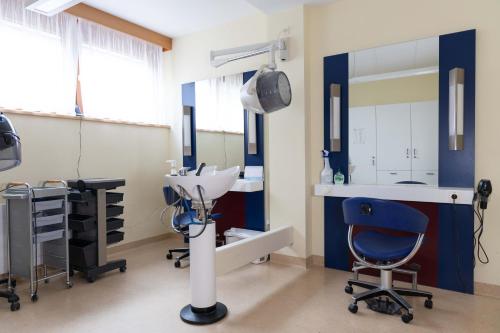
x=220, y=121
x=394, y=113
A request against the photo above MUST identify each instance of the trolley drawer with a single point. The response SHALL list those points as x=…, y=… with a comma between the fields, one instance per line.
x=114, y=223
x=48, y=205
x=114, y=237
x=81, y=223
x=113, y=210
x=82, y=254
x=49, y=235
x=42, y=221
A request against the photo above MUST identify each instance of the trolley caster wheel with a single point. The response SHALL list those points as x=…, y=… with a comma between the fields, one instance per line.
x=69, y=285
x=428, y=303
x=123, y=269
x=177, y=264
x=406, y=318
x=13, y=283
x=169, y=256
x=348, y=289
x=34, y=298
x=91, y=279
x=15, y=307
x=46, y=281
x=353, y=308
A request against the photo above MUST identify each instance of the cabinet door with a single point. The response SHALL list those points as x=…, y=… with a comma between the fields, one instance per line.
x=393, y=137
x=429, y=177
x=425, y=135
x=392, y=177
x=362, y=145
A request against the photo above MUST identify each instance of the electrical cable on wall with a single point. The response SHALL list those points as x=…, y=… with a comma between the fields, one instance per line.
x=484, y=189
x=80, y=147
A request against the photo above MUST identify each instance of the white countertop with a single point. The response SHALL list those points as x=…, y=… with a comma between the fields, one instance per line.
x=402, y=192
x=246, y=185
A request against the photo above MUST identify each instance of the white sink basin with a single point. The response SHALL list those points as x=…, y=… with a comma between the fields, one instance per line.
x=214, y=184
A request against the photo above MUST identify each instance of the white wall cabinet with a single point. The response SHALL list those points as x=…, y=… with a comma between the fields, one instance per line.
x=394, y=143
x=363, y=145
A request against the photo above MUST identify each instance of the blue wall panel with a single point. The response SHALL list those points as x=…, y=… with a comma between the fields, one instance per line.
x=255, y=218
x=188, y=99
x=456, y=168
x=336, y=70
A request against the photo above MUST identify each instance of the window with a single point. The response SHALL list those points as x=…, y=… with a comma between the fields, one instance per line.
x=120, y=76
x=218, y=104
x=37, y=61
x=43, y=58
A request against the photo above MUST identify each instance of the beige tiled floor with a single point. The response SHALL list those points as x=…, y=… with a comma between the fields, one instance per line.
x=260, y=298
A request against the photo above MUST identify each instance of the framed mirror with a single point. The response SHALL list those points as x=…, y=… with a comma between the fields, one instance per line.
x=394, y=114
x=220, y=121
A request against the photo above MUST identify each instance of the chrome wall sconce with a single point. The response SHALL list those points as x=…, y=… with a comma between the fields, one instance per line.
x=335, y=117
x=187, y=114
x=251, y=133
x=456, y=109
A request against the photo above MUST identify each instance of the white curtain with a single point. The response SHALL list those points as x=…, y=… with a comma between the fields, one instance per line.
x=218, y=104
x=38, y=60
x=121, y=76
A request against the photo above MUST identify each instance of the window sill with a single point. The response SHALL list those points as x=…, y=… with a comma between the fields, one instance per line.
x=217, y=131
x=97, y=120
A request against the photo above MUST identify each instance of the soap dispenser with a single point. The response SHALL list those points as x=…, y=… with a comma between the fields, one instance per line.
x=326, y=176
x=173, y=167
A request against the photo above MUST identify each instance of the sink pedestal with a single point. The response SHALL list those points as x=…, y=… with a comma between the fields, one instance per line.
x=204, y=308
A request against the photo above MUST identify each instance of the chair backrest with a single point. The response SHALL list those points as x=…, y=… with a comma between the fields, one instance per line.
x=384, y=214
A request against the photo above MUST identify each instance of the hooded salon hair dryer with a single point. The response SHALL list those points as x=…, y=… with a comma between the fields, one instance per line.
x=484, y=190
x=10, y=145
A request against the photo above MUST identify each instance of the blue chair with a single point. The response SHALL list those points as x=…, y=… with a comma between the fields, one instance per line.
x=383, y=251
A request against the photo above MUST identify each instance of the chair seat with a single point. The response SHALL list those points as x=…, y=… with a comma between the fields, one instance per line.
x=383, y=247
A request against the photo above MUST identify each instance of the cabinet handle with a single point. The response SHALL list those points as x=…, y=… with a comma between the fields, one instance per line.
x=430, y=173
x=407, y=152
x=393, y=173
x=373, y=160
x=414, y=152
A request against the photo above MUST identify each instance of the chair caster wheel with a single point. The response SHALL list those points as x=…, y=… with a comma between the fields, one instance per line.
x=353, y=308
x=15, y=307
x=428, y=303
x=91, y=279
x=47, y=281
x=123, y=269
x=177, y=264
x=348, y=289
x=34, y=298
x=169, y=256
x=406, y=318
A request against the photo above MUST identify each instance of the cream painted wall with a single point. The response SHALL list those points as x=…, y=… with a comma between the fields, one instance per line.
x=284, y=131
x=50, y=151
x=402, y=90
x=357, y=24
x=209, y=144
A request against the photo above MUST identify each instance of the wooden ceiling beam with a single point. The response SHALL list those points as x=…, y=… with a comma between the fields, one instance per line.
x=98, y=16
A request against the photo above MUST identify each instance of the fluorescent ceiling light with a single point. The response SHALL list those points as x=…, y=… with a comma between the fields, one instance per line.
x=394, y=75
x=50, y=7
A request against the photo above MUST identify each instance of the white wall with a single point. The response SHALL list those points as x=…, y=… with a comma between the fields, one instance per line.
x=284, y=131
x=357, y=24
x=50, y=151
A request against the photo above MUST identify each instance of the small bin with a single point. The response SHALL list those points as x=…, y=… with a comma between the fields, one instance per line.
x=236, y=234
x=81, y=223
x=114, y=237
x=82, y=254
x=113, y=210
x=114, y=223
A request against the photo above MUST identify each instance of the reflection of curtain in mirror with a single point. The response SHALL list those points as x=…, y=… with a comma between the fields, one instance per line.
x=218, y=105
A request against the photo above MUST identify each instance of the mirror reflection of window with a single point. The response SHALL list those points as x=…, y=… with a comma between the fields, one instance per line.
x=394, y=114
x=220, y=121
